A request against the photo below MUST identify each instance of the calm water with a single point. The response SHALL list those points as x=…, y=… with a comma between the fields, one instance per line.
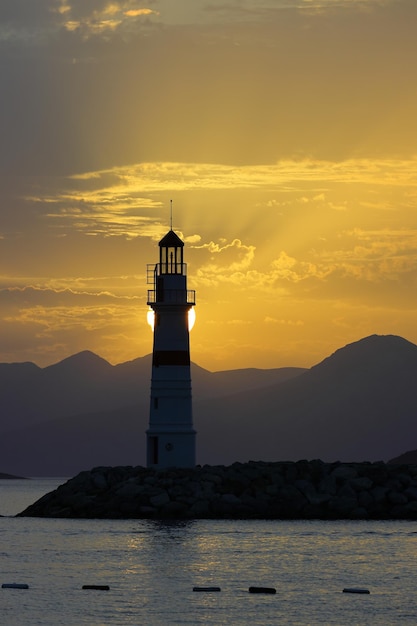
x=151, y=569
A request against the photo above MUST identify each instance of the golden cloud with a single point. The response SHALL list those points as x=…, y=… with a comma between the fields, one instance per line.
x=227, y=262
x=150, y=177
x=139, y=12
x=102, y=20
x=114, y=201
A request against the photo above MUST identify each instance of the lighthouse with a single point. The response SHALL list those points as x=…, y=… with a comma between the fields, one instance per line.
x=170, y=436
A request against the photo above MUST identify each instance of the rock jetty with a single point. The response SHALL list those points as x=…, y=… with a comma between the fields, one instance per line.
x=253, y=490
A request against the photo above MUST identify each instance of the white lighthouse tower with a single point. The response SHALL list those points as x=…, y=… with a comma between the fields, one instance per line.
x=170, y=436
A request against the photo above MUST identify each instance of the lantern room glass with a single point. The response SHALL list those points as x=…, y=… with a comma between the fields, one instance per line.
x=171, y=260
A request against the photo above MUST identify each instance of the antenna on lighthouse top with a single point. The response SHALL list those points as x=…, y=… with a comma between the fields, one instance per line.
x=170, y=219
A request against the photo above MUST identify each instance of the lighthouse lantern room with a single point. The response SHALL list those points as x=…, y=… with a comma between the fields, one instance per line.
x=170, y=436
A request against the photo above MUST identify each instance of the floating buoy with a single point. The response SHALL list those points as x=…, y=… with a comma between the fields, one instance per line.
x=355, y=590
x=99, y=587
x=15, y=586
x=262, y=590
x=206, y=589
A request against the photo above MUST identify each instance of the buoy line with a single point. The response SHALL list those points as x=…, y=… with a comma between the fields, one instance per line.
x=204, y=588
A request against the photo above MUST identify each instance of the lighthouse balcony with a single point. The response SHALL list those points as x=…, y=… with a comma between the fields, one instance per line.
x=171, y=296
x=163, y=269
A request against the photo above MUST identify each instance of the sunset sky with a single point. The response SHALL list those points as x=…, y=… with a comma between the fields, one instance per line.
x=284, y=131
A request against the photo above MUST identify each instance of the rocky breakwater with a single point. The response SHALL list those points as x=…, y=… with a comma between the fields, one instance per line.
x=254, y=490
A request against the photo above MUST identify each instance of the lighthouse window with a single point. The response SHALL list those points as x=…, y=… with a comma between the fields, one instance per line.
x=155, y=403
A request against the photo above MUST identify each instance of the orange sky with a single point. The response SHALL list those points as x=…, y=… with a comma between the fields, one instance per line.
x=285, y=133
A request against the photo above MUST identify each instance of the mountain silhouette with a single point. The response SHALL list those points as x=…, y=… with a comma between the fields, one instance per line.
x=79, y=384
x=83, y=411
x=407, y=458
x=359, y=404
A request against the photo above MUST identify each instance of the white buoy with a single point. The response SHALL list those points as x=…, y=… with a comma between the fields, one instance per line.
x=15, y=586
x=355, y=590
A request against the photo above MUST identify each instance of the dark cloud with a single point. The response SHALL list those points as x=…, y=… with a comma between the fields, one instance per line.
x=26, y=15
x=235, y=93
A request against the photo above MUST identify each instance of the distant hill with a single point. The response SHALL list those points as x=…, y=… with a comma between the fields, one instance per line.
x=82, y=383
x=10, y=477
x=408, y=458
x=359, y=404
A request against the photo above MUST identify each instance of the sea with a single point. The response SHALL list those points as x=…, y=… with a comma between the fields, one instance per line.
x=152, y=567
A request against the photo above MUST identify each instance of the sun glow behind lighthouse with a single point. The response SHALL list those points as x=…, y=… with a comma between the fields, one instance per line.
x=150, y=318
x=191, y=319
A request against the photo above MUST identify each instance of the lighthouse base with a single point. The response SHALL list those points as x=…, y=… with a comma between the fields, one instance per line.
x=170, y=449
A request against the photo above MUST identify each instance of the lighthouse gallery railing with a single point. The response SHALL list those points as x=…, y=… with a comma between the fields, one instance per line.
x=171, y=296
